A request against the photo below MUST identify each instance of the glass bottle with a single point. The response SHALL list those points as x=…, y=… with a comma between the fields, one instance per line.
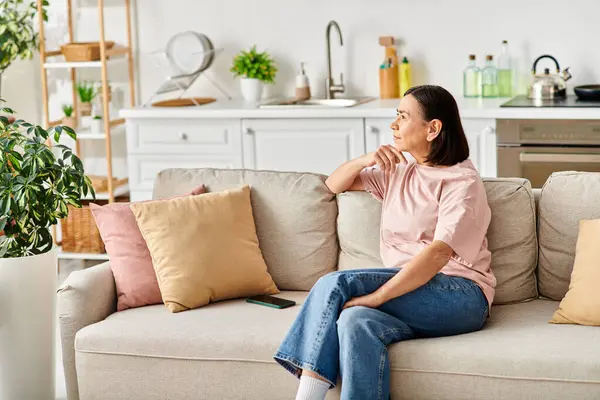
x=489, y=78
x=505, y=76
x=472, y=79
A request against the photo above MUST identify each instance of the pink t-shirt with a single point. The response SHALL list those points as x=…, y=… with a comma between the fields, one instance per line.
x=422, y=204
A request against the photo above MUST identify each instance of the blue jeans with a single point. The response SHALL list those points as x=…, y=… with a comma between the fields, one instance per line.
x=353, y=343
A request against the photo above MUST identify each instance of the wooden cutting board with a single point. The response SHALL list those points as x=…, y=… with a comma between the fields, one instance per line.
x=183, y=102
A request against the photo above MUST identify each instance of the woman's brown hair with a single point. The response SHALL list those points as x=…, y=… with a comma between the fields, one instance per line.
x=450, y=146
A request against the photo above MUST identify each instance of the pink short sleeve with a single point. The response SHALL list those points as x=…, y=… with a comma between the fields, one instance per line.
x=463, y=219
x=375, y=181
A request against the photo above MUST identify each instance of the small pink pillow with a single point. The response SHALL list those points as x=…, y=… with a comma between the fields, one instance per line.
x=130, y=260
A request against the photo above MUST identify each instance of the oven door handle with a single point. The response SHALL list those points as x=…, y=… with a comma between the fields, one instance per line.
x=561, y=158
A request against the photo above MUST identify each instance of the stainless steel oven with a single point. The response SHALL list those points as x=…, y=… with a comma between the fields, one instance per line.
x=534, y=149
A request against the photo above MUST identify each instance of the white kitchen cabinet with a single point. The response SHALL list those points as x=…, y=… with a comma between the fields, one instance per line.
x=184, y=136
x=301, y=145
x=378, y=132
x=480, y=134
x=154, y=145
x=144, y=168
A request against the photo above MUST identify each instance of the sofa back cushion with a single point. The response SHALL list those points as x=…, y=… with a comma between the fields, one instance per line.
x=511, y=236
x=567, y=197
x=295, y=217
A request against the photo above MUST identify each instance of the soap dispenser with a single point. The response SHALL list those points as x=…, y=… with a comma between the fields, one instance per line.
x=302, y=85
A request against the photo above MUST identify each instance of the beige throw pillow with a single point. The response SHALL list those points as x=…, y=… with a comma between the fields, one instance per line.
x=581, y=304
x=204, y=248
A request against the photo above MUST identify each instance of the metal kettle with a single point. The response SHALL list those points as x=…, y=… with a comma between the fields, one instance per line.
x=548, y=86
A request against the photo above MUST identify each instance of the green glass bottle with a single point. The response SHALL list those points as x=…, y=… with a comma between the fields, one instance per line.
x=472, y=79
x=489, y=78
x=505, y=75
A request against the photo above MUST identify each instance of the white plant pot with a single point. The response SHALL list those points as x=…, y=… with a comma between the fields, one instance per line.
x=85, y=122
x=27, y=326
x=96, y=125
x=252, y=89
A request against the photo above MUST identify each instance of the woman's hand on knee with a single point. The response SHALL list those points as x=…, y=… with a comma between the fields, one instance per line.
x=372, y=300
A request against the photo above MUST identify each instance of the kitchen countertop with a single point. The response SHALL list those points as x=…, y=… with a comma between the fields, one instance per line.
x=469, y=108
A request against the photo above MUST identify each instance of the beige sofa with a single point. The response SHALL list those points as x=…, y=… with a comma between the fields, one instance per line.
x=224, y=350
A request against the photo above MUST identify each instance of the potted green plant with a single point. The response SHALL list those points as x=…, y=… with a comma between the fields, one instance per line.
x=38, y=181
x=96, y=125
x=18, y=37
x=255, y=69
x=69, y=119
x=86, y=94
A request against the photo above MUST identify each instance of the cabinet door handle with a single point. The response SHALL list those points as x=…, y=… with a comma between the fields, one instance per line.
x=488, y=130
x=248, y=131
x=372, y=129
x=183, y=136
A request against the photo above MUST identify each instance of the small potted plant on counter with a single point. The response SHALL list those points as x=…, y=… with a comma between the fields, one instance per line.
x=38, y=181
x=254, y=70
x=69, y=119
x=86, y=94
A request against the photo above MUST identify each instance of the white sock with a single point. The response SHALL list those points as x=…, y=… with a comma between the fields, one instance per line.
x=311, y=388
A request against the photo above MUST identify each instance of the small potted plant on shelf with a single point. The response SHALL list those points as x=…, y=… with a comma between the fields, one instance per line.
x=96, y=125
x=38, y=183
x=86, y=94
x=69, y=119
x=255, y=69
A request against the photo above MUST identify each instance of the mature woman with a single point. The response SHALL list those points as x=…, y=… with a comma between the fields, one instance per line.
x=437, y=279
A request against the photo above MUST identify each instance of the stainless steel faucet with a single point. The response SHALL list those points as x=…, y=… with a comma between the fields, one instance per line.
x=332, y=88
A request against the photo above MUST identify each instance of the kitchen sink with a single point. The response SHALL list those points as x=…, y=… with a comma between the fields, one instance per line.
x=316, y=103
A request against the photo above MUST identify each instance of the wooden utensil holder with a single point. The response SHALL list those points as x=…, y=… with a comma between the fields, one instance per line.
x=388, y=83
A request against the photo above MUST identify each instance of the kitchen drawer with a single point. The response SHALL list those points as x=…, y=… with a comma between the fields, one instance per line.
x=144, y=168
x=184, y=136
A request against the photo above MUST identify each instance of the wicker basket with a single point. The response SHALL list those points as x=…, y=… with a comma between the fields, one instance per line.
x=83, y=51
x=80, y=233
x=100, y=183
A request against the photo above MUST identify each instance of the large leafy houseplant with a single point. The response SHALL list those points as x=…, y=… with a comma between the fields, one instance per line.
x=38, y=181
x=18, y=38
x=254, y=65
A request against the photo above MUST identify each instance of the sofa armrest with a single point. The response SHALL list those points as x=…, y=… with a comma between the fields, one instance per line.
x=86, y=297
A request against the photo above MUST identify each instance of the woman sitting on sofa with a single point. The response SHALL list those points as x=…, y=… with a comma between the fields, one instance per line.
x=437, y=279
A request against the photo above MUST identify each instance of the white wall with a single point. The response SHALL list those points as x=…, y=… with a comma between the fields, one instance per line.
x=437, y=36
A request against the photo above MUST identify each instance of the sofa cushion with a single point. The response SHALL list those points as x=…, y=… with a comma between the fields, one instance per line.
x=516, y=347
x=359, y=219
x=130, y=260
x=567, y=197
x=204, y=248
x=511, y=236
x=295, y=216
x=581, y=304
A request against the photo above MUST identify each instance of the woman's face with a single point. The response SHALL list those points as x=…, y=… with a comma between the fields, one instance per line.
x=412, y=133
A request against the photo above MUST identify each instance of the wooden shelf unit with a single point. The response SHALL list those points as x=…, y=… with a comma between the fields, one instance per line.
x=111, y=56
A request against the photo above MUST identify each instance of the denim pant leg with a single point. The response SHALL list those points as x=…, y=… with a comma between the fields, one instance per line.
x=312, y=341
x=442, y=307
x=363, y=335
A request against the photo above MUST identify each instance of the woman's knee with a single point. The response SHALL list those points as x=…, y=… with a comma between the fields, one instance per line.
x=351, y=319
x=331, y=280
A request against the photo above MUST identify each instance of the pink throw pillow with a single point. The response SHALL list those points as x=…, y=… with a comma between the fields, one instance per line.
x=130, y=260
